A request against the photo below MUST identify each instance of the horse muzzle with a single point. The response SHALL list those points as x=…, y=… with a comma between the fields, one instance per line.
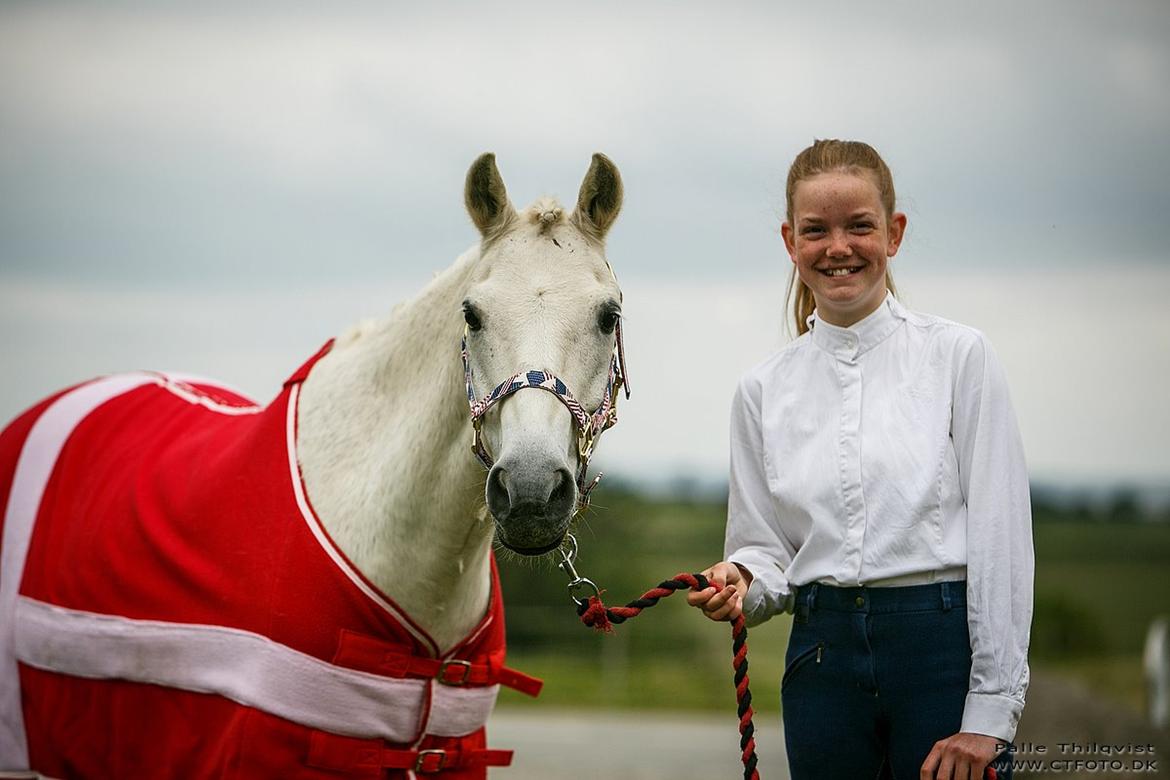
x=532, y=505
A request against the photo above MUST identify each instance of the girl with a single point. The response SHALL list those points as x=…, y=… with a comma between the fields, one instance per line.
x=878, y=492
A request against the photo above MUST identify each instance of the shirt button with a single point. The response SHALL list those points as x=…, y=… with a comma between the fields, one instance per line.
x=860, y=601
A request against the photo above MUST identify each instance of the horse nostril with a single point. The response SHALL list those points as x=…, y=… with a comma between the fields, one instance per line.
x=497, y=491
x=562, y=492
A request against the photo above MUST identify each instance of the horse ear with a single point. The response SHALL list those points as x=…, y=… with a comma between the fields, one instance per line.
x=600, y=199
x=486, y=198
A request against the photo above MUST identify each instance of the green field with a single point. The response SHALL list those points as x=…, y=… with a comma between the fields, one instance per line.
x=1098, y=584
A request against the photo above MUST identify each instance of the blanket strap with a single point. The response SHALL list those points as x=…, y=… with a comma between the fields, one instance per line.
x=368, y=654
x=367, y=758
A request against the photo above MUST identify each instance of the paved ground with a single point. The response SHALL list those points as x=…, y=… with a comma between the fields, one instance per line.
x=589, y=745
x=1061, y=716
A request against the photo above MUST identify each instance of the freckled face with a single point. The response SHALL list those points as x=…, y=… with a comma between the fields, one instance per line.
x=841, y=243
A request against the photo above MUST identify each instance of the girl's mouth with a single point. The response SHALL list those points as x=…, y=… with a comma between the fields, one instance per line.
x=841, y=271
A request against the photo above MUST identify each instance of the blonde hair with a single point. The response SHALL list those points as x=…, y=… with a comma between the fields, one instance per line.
x=825, y=156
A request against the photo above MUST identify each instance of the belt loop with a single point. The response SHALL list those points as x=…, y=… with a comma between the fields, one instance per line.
x=812, y=596
x=800, y=613
x=945, y=589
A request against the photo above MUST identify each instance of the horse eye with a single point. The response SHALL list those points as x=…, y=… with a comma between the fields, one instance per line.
x=471, y=317
x=608, y=321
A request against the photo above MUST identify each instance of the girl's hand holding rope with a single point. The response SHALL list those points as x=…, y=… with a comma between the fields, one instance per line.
x=727, y=602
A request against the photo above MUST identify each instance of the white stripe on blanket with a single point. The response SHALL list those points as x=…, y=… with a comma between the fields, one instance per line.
x=247, y=668
x=33, y=469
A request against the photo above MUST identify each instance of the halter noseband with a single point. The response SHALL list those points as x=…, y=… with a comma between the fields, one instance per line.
x=588, y=427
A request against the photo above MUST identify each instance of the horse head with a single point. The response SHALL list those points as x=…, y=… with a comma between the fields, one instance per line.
x=542, y=310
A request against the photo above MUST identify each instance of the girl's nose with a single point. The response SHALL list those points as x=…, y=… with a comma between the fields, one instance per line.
x=839, y=244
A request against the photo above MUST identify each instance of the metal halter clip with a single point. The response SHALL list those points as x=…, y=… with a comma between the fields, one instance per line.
x=576, y=581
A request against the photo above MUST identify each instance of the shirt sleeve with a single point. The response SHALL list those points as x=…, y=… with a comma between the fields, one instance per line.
x=1000, y=560
x=754, y=540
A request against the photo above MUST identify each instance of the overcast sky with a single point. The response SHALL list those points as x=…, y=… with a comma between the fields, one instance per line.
x=220, y=190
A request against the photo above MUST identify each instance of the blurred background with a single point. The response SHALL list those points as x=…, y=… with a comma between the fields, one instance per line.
x=219, y=189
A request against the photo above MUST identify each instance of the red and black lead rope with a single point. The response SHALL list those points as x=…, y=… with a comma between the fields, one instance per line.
x=596, y=615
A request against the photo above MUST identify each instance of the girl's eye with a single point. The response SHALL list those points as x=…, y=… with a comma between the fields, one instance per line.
x=471, y=317
x=811, y=230
x=862, y=227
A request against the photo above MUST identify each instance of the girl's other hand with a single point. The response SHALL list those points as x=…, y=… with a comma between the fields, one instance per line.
x=727, y=604
x=960, y=757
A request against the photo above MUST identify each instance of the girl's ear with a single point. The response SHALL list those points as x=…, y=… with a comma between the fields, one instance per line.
x=789, y=240
x=894, y=233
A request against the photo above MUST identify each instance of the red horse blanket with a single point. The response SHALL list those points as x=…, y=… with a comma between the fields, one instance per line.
x=171, y=605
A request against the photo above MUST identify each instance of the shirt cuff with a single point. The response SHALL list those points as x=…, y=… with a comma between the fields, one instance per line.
x=992, y=714
x=754, y=609
x=763, y=599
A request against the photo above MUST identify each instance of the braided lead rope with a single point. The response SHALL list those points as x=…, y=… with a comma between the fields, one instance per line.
x=595, y=614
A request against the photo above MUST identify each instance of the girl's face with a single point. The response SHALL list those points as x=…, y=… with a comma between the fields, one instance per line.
x=840, y=224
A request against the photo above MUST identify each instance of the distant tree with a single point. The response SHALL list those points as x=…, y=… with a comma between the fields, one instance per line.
x=1123, y=506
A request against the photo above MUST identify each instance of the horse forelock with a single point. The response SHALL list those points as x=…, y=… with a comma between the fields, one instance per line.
x=545, y=212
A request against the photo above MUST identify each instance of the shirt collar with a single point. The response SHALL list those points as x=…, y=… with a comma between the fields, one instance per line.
x=863, y=335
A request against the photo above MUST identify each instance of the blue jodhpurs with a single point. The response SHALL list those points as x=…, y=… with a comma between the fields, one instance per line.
x=873, y=677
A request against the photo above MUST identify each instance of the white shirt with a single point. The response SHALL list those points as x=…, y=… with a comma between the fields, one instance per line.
x=887, y=453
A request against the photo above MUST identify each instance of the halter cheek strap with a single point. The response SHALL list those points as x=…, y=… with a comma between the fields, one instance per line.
x=588, y=427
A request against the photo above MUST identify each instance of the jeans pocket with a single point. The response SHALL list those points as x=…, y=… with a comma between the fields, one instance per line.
x=814, y=653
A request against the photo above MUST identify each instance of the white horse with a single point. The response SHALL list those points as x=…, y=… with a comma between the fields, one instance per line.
x=368, y=451
x=384, y=426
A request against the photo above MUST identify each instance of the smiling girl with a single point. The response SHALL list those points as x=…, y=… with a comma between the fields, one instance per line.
x=878, y=492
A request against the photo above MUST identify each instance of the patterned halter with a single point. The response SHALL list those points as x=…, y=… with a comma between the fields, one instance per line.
x=588, y=427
